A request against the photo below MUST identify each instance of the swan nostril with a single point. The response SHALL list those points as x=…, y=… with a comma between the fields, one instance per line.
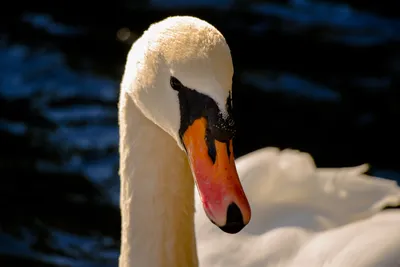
x=234, y=220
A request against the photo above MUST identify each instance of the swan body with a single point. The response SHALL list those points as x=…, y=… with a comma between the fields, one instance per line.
x=176, y=130
x=307, y=216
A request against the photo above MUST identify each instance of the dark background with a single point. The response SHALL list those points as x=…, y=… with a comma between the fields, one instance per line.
x=322, y=77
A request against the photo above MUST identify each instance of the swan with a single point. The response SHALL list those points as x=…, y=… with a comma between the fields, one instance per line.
x=176, y=130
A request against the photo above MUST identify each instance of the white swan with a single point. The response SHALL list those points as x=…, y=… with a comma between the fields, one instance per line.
x=175, y=124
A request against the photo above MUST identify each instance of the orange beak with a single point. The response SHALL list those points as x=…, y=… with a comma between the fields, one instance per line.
x=215, y=174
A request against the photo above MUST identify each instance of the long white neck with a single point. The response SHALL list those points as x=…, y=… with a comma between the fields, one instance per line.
x=157, y=195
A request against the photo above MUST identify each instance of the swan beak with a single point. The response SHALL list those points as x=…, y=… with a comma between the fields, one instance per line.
x=213, y=167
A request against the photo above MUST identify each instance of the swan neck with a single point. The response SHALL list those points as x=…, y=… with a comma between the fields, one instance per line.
x=157, y=195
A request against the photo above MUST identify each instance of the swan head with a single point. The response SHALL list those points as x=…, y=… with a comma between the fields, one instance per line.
x=179, y=74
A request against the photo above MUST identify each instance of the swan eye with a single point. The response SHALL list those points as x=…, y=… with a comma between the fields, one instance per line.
x=229, y=103
x=175, y=83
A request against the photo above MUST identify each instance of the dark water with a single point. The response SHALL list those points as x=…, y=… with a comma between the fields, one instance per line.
x=322, y=77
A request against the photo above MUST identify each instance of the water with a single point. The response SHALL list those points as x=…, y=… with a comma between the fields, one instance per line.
x=317, y=76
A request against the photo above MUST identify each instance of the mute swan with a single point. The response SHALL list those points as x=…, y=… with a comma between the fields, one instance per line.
x=175, y=124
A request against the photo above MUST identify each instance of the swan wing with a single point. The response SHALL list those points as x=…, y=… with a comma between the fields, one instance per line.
x=371, y=242
x=289, y=178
